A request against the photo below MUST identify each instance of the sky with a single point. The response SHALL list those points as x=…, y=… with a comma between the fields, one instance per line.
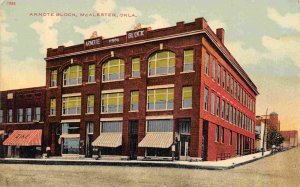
x=263, y=35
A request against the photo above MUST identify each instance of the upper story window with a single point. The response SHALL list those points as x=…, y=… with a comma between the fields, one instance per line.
x=91, y=73
x=71, y=105
x=218, y=106
x=206, y=99
x=230, y=137
x=28, y=114
x=188, y=60
x=20, y=115
x=161, y=63
x=90, y=128
x=135, y=67
x=160, y=99
x=224, y=79
x=223, y=109
x=113, y=70
x=187, y=97
x=219, y=75
x=53, y=78
x=72, y=75
x=112, y=103
x=37, y=113
x=222, y=134
x=10, y=116
x=217, y=133
x=90, y=103
x=213, y=70
x=228, y=82
x=1, y=116
x=206, y=63
x=53, y=106
x=212, y=103
x=134, y=101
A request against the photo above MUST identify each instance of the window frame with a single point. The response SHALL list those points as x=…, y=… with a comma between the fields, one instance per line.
x=67, y=72
x=168, y=58
x=121, y=63
x=88, y=106
x=67, y=109
x=188, y=63
x=131, y=101
x=167, y=99
x=52, y=111
x=53, y=83
x=133, y=62
x=91, y=78
x=20, y=116
x=183, y=99
x=119, y=96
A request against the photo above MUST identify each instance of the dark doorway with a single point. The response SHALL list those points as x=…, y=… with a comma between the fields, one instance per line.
x=204, y=140
x=133, y=139
x=185, y=136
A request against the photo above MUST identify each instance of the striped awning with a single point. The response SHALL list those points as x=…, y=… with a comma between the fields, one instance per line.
x=24, y=138
x=108, y=139
x=157, y=140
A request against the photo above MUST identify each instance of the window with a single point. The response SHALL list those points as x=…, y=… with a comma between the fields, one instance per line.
x=212, y=103
x=134, y=101
x=224, y=79
x=230, y=137
x=90, y=103
x=37, y=113
x=160, y=125
x=20, y=115
x=160, y=99
x=227, y=111
x=112, y=103
x=234, y=116
x=135, y=67
x=72, y=75
x=91, y=72
x=71, y=105
x=234, y=89
x=231, y=85
x=53, y=106
x=188, y=60
x=10, y=116
x=223, y=109
x=219, y=74
x=218, y=106
x=161, y=63
x=222, y=134
x=90, y=128
x=230, y=113
x=187, y=97
x=113, y=70
x=70, y=145
x=28, y=114
x=111, y=126
x=206, y=63
x=206, y=99
x=1, y=116
x=217, y=133
x=228, y=81
x=53, y=78
x=238, y=92
x=213, y=69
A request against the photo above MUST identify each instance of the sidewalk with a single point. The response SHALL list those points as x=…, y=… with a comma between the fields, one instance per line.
x=210, y=165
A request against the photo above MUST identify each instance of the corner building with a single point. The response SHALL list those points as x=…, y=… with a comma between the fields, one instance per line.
x=136, y=95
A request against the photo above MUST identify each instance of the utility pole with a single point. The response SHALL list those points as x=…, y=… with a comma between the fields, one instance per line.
x=263, y=144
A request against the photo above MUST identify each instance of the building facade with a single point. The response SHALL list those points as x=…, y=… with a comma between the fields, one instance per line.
x=149, y=93
x=290, y=138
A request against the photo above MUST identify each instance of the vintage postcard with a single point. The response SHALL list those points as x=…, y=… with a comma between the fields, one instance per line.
x=149, y=93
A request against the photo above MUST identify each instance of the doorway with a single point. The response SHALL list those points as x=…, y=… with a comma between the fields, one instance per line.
x=204, y=140
x=133, y=139
x=185, y=136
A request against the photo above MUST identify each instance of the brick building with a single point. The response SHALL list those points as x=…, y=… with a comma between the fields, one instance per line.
x=147, y=93
x=290, y=138
x=272, y=121
x=21, y=115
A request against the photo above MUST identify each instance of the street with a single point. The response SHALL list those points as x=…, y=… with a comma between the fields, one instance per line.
x=282, y=169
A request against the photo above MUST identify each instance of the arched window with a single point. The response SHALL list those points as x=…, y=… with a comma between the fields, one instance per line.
x=161, y=63
x=72, y=75
x=113, y=70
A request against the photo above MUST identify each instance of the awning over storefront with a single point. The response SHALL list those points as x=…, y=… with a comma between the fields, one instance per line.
x=24, y=138
x=67, y=136
x=108, y=139
x=157, y=140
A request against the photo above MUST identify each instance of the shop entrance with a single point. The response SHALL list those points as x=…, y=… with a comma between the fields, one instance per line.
x=133, y=139
x=185, y=136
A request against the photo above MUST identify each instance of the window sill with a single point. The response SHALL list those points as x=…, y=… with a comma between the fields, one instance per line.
x=52, y=115
x=52, y=87
x=65, y=86
x=112, y=81
x=153, y=76
x=91, y=83
x=134, y=78
x=186, y=108
x=133, y=111
x=111, y=112
x=184, y=72
x=70, y=114
x=89, y=113
x=159, y=110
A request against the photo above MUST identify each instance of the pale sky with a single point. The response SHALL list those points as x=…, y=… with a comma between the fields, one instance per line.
x=264, y=36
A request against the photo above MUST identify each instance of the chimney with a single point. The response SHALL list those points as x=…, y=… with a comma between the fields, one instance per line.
x=220, y=34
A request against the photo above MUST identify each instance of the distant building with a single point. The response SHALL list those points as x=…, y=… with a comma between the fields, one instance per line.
x=290, y=138
x=272, y=121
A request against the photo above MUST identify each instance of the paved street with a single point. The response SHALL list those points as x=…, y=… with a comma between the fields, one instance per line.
x=282, y=169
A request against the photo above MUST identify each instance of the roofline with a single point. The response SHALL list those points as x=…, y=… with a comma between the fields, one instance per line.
x=247, y=79
x=24, y=89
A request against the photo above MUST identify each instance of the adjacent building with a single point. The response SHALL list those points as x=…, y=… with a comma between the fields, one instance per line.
x=290, y=138
x=147, y=94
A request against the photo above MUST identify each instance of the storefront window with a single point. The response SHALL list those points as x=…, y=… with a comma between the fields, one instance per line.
x=70, y=144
